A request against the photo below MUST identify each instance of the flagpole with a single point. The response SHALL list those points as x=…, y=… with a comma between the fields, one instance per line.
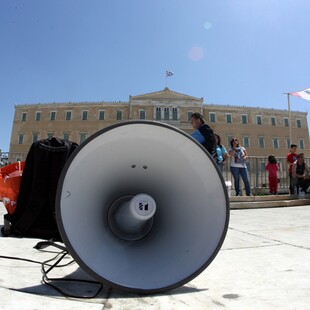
x=289, y=116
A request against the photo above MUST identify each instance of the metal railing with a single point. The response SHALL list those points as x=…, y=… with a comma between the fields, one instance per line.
x=258, y=175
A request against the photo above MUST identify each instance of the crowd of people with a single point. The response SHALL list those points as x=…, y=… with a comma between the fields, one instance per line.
x=299, y=173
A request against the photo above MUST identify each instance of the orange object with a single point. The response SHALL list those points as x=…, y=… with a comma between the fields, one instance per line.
x=10, y=178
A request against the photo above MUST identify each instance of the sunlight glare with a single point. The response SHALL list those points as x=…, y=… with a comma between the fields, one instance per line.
x=196, y=53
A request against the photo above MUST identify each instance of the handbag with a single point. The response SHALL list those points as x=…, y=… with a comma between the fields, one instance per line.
x=10, y=179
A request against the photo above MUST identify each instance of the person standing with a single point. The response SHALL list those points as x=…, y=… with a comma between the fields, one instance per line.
x=221, y=152
x=301, y=173
x=238, y=167
x=272, y=168
x=203, y=133
x=290, y=159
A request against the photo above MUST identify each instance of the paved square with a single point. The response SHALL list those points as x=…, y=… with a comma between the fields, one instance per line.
x=264, y=263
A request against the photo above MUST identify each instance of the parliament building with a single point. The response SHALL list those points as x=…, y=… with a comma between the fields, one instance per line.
x=261, y=131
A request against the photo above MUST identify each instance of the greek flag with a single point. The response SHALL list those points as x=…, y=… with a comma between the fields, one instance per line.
x=304, y=94
x=169, y=73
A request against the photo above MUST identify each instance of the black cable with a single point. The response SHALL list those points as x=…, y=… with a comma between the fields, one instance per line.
x=21, y=259
x=39, y=247
x=48, y=280
x=59, y=256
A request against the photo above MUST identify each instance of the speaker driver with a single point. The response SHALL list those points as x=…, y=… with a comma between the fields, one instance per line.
x=131, y=217
x=142, y=207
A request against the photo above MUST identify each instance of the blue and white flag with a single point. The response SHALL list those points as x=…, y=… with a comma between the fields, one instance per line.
x=304, y=94
x=169, y=73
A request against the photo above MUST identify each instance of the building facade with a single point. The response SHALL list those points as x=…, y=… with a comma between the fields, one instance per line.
x=261, y=131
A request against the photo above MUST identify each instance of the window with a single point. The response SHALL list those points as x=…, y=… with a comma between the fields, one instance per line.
x=189, y=115
x=287, y=143
x=35, y=137
x=302, y=144
x=84, y=115
x=18, y=158
x=229, y=138
x=158, y=113
x=273, y=120
x=24, y=116
x=244, y=118
x=286, y=122
x=212, y=117
x=50, y=135
x=38, y=116
x=66, y=135
x=275, y=143
x=261, y=142
x=166, y=114
x=259, y=120
x=175, y=114
x=21, y=138
x=142, y=114
x=246, y=141
x=53, y=116
x=101, y=115
x=228, y=118
x=68, y=115
x=119, y=115
x=298, y=123
x=83, y=137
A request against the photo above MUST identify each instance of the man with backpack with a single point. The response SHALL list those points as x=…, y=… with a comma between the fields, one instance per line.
x=203, y=133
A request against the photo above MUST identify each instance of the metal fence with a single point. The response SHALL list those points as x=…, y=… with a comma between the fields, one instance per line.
x=258, y=175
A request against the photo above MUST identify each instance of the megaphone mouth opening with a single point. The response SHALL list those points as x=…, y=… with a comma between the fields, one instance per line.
x=120, y=230
x=168, y=248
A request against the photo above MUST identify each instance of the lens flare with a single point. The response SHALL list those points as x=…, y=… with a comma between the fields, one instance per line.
x=207, y=25
x=196, y=53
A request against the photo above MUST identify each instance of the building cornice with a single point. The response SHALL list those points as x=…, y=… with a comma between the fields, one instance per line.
x=160, y=98
x=165, y=94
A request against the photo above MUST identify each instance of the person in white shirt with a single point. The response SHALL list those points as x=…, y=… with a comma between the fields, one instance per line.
x=238, y=167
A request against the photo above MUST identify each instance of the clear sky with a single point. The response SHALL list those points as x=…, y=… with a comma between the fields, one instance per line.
x=231, y=52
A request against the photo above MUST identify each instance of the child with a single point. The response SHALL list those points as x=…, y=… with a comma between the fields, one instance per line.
x=272, y=168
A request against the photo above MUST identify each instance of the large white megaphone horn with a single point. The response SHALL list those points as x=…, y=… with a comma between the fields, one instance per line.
x=141, y=206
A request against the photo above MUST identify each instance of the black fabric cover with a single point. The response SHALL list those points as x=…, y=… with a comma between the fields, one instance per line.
x=35, y=209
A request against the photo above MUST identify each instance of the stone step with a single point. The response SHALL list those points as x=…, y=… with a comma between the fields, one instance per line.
x=268, y=201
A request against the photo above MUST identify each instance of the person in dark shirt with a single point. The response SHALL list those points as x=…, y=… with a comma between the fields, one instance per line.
x=301, y=173
x=203, y=133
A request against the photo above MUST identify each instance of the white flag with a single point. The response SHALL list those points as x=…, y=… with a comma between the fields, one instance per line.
x=304, y=94
x=169, y=73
